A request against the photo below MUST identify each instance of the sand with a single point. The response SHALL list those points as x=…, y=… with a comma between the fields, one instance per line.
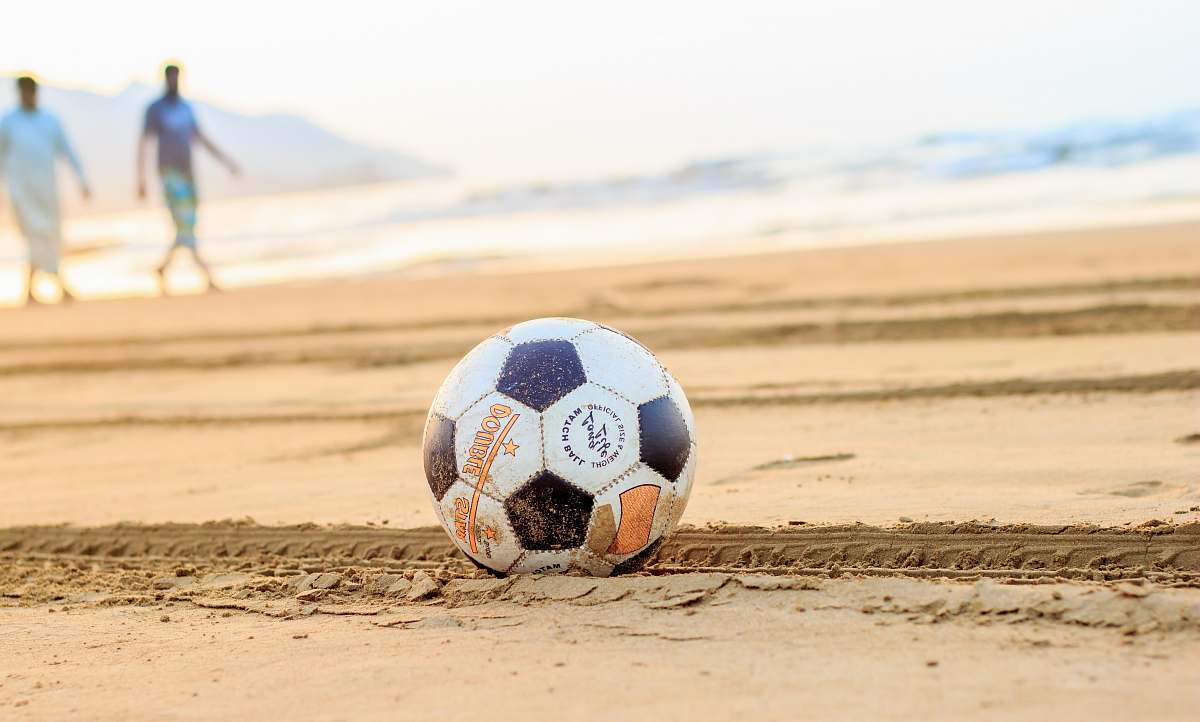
x=739, y=654
x=1008, y=425
x=152, y=622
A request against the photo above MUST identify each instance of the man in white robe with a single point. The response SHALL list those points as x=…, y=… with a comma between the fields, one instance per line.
x=31, y=140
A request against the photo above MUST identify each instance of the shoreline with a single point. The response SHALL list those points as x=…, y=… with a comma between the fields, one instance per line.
x=433, y=264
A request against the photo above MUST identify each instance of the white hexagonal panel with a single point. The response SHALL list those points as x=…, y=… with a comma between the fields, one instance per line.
x=477, y=524
x=542, y=563
x=473, y=377
x=664, y=516
x=540, y=329
x=613, y=360
x=584, y=560
x=683, y=488
x=629, y=515
x=501, y=440
x=590, y=437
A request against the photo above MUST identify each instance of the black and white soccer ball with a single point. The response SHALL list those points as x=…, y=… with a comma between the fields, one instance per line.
x=559, y=444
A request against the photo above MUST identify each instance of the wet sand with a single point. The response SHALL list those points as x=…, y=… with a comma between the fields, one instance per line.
x=1018, y=413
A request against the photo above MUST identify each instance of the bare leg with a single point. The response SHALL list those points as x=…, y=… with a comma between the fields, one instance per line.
x=200, y=263
x=161, y=269
x=67, y=296
x=29, y=297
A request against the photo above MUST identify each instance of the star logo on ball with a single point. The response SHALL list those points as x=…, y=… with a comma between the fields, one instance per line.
x=510, y=447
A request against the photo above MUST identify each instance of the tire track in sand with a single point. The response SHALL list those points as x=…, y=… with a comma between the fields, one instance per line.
x=1161, y=552
x=1108, y=319
x=1171, y=283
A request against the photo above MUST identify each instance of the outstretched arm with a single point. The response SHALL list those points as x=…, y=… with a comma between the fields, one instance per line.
x=63, y=146
x=4, y=144
x=143, y=141
x=149, y=128
x=217, y=152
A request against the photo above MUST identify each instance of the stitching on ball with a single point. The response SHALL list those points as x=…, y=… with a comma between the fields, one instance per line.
x=624, y=475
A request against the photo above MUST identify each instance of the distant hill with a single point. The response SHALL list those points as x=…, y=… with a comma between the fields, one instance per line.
x=277, y=152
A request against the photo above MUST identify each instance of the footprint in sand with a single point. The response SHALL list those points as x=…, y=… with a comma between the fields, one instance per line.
x=659, y=284
x=786, y=462
x=1139, y=489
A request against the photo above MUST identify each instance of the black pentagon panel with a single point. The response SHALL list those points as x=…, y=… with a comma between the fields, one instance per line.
x=539, y=373
x=664, y=436
x=441, y=468
x=549, y=513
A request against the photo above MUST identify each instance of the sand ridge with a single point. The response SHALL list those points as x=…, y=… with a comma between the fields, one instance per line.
x=359, y=348
x=1164, y=553
x=300, y=571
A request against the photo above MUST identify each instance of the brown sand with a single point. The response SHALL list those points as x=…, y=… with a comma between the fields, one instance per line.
x=1044, y=387
x=870, y=649
x=150, y=621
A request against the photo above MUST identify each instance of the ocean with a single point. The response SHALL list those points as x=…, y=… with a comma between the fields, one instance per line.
x=940, y=185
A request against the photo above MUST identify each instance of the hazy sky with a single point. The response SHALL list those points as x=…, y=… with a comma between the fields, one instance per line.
x=533, y=90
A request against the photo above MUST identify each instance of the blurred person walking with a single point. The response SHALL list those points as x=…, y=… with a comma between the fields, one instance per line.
x=31, y=139
x=172, y=123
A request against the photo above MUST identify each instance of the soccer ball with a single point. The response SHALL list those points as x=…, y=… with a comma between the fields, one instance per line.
x=559, y=444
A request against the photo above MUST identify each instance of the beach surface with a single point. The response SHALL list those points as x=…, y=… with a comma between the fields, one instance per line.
x=936, y=479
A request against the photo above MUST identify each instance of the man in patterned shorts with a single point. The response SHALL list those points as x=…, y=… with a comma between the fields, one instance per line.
x=171, y=121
